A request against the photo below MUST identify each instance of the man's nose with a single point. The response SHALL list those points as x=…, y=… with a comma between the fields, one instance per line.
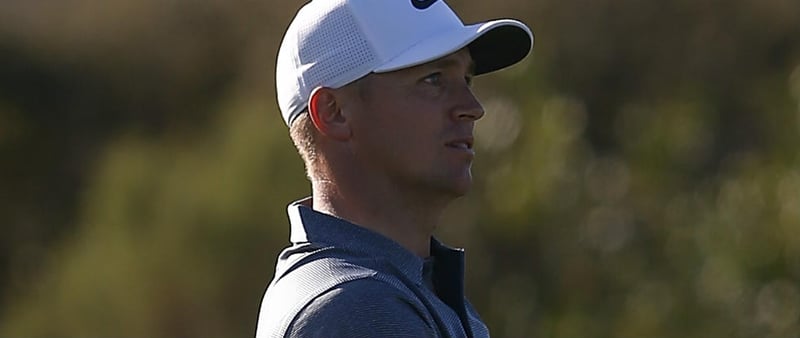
x=468, y=108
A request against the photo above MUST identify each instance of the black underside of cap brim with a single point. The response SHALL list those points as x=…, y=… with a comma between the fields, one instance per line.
x=499, y=48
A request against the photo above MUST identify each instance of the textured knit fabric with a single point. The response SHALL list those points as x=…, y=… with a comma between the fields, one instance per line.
x=339, y=279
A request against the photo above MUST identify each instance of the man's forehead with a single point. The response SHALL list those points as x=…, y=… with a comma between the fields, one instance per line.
x=461, y=58
x=458, y=59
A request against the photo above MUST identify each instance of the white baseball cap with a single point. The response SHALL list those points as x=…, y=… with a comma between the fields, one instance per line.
x=331, y=43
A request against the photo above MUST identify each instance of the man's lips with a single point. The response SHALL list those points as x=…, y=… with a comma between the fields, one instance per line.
x=464, y=143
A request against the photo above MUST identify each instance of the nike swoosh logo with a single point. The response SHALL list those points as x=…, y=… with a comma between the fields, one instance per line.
x=422, y=4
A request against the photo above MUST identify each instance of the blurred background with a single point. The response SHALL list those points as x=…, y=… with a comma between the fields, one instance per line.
x=638, y=175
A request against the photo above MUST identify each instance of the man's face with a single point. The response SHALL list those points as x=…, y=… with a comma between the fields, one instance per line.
x=414, y=126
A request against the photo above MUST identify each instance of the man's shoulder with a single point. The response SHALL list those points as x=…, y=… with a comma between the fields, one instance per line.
x=367, y=307
x=304, y=277
x=355, y=293
x=312, y=275
x=316, y=287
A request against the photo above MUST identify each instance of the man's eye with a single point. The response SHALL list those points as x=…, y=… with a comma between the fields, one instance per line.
x=433, y=79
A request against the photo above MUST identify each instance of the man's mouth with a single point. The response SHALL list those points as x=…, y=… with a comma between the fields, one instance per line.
x=462, y=143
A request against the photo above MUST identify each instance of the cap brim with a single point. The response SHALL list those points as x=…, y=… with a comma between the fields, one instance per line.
x=493, y=45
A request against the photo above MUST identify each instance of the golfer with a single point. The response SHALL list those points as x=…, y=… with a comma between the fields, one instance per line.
x=377, y=98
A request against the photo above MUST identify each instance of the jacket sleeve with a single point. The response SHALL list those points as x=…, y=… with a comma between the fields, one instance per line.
x=360, y=309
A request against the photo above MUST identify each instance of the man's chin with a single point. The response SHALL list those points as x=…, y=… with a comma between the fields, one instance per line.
x=458, y=187
x=446, y=187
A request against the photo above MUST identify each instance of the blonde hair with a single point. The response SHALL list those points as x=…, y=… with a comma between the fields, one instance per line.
x=304, y=136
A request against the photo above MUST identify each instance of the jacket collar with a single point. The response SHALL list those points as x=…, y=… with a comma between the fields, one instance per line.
x=311, y=226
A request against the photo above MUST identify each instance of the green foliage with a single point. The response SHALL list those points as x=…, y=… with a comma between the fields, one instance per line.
x=171, y=231
x=638, y=175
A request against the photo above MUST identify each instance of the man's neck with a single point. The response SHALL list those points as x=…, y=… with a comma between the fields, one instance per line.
x=403, y=219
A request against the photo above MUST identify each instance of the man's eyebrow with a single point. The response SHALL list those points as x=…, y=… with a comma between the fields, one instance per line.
x=451, y=62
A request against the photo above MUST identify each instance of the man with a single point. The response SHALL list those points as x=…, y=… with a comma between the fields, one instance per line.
x=377, y=97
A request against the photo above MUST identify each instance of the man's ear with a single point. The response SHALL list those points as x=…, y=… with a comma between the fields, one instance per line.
x=326, y=114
